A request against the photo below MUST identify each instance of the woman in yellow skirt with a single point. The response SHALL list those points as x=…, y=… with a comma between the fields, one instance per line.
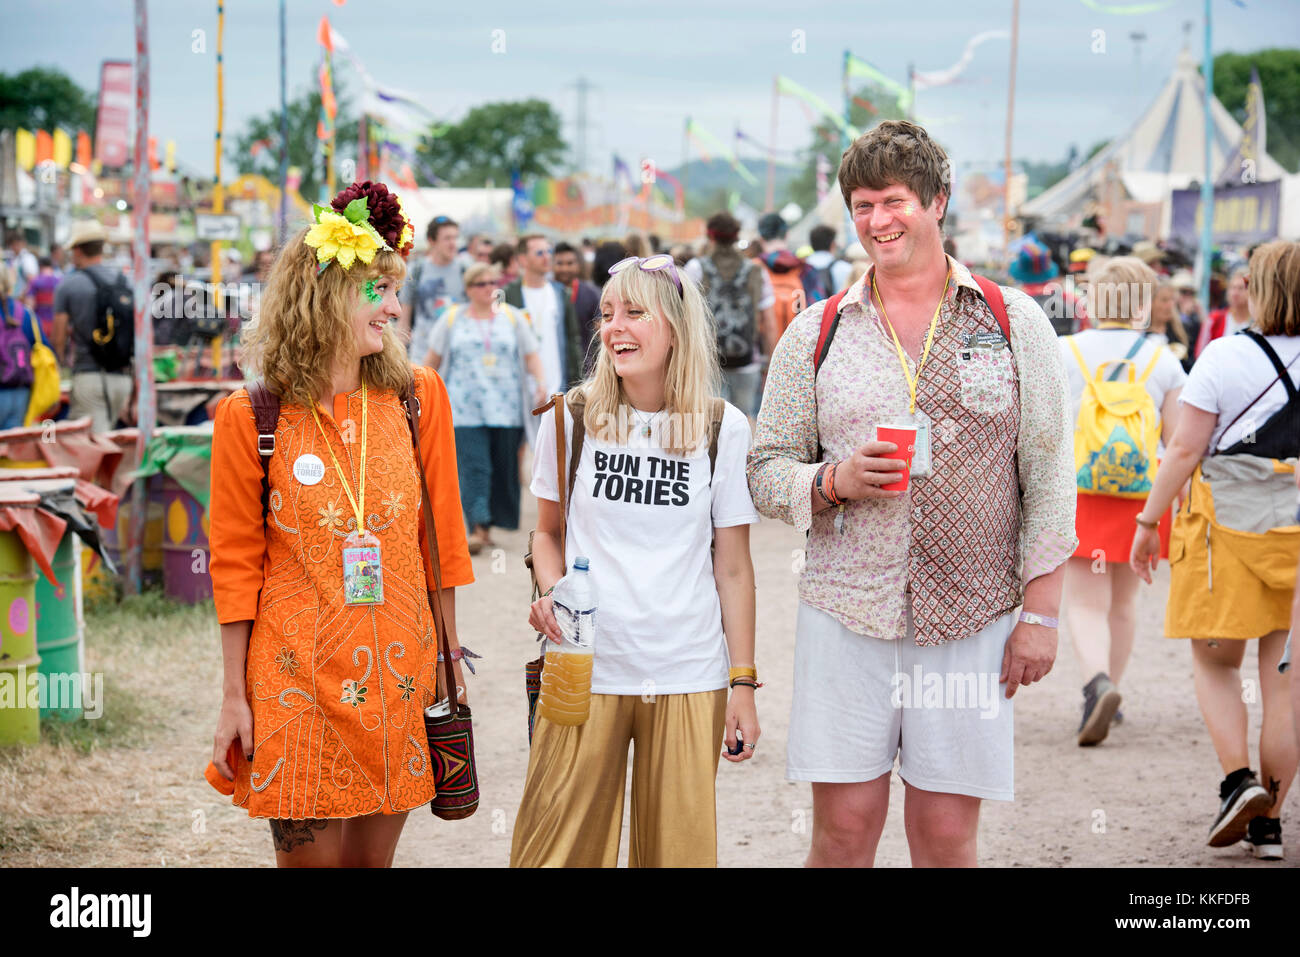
x=1232, y=555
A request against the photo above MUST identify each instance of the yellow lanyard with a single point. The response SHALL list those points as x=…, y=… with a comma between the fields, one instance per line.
x=929, y=339
x=358, y=502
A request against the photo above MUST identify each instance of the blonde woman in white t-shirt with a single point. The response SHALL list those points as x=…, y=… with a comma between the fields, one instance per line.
x=674, y=626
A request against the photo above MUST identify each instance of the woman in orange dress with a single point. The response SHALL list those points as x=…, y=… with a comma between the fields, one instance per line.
x=321, y=727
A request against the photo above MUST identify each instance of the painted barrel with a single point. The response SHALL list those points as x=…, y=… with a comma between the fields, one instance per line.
x=20, y=715
x=185, y=548
x=115, y=539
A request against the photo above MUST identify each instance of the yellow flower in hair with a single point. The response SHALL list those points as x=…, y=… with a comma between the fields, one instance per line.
x=335, y=237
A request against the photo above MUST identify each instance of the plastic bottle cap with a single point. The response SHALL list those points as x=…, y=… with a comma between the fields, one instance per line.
x=580, y=564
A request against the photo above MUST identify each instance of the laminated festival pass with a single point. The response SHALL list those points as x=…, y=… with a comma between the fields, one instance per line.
x=363, y=573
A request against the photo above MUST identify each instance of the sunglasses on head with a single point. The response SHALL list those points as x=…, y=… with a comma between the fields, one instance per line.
x=651, y=264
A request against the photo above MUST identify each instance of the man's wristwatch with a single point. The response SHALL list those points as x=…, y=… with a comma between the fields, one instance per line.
x=1029, y=618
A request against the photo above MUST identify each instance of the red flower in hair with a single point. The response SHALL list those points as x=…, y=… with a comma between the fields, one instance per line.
x=385, y=212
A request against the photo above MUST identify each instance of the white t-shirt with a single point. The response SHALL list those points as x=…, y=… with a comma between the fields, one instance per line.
x=644, y=518
x=543, y=310
x=1230, y=373
x=1099, y=345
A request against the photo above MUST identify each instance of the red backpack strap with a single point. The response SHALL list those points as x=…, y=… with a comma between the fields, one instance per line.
x=266, y=417
x=993, y=297
x=830, y=322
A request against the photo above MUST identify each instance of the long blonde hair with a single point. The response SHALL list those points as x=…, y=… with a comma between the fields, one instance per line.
x=692, y=375
x=304, y=326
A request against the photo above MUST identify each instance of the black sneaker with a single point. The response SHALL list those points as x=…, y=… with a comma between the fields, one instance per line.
x=1100, y=702
x=1240, y=799
x=1264, y=838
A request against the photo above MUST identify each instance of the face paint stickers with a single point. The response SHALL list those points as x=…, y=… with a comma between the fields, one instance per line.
x=372, y=296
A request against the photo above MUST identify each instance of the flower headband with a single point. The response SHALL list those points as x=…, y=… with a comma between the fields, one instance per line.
x=359, y=222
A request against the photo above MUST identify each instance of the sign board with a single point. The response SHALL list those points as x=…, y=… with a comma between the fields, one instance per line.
x=1242, y=214
x=213, y=226
x=113, y=118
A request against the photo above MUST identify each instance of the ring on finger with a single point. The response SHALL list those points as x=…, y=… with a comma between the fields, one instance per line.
x=750, y=747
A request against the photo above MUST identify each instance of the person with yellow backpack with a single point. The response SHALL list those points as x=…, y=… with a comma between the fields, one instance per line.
x=1236, y=540
x=1124, y=384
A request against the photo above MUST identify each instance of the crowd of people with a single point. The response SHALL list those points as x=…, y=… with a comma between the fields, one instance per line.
x=1084, y=419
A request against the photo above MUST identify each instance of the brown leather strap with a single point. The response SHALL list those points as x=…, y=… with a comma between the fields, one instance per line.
x=412, y=404
x=266, y=419
x=577, y=412
x=557, y=403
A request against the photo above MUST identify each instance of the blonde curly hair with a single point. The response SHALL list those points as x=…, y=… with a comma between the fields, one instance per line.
x=305, y=325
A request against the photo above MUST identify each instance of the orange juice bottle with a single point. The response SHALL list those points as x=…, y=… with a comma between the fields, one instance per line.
x=566, y=677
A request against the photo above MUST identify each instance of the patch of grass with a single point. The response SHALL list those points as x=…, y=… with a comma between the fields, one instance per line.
x=149, y=616
x=123, y=724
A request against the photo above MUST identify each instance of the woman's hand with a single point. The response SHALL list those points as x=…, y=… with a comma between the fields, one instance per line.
x=541, y=616
x=539, y=396
x=742, y=713
x=1146, y=552
x=235, y=721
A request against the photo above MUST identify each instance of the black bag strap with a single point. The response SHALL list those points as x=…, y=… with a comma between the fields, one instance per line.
x=266, y=417
x=1274, y=358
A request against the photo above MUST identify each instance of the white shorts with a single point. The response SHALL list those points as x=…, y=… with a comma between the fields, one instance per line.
x=860, y=702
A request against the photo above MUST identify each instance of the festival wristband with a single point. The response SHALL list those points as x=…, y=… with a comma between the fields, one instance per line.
x=1029, y=618
x=1145, y=524
x=748, y=672
x=818, y=482
x=835, y=498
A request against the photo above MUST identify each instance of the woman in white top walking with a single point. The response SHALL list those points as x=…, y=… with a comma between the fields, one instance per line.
x=672, y=619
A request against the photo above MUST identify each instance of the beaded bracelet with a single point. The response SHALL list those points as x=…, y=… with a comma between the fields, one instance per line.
x=746, y=682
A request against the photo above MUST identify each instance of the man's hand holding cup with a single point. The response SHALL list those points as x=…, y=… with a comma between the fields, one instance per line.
x=871, y=466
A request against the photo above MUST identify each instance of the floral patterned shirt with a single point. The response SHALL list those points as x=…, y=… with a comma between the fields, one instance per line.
x=998, y=509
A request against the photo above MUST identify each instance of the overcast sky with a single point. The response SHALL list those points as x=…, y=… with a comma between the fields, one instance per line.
x=652, y=63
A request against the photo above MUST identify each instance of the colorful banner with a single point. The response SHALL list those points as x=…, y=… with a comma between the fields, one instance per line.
x=925, y=81
x=675, y=183
x=325, y=78
x=1242, y=214
x=789, y=87
x=62, y=149
x=113, y=119
x=1243, y=165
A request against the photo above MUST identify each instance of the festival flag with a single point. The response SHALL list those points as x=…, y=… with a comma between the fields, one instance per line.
x=823, y=176
x=857, y=67
x=789, y=87
x=153, y=154
x=169, y=154
x=544, y=193
x=25, y=148
x=84, y=155
x=1242, y=166
x=703, y=138
x=44, y=147
x=62, y=149
x=925, y=81
x=521, y=205
x=623, y=173
x=676, y=184
x=325, y=78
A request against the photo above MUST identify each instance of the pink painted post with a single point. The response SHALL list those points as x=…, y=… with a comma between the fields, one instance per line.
x=146, y=410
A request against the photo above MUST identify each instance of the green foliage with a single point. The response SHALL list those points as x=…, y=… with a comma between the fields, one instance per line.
x=1279, y=74
x=826, y=141
x=494, y=139
x=303, y=113
x=41, y=99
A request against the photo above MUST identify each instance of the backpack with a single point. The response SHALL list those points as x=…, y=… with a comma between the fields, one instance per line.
x=15, y=352
x=734, y=312
x=790, y=297
x=112, y=337
x=1117, y=431
x=819, y=283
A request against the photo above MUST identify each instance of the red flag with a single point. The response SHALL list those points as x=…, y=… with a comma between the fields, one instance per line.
x=323, y=34
x=44, y=146
x=83, y=148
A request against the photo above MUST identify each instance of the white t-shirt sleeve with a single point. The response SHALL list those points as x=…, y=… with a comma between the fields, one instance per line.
x=1167, y=375
x=438, y=338
x=731, y=503
x=1205, y=383
x=543, y=484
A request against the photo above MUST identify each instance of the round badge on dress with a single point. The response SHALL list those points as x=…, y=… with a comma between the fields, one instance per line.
x=308, y=469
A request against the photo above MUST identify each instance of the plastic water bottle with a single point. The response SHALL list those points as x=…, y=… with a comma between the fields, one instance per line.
x=566, y=677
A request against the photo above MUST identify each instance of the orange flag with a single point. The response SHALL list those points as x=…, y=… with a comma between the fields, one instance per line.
x=44, y=146
x=83, y=148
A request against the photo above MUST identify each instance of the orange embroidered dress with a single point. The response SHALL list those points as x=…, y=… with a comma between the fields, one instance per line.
x=337, y=691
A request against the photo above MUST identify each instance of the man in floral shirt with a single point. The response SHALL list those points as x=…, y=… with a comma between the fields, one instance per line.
x=911, y=638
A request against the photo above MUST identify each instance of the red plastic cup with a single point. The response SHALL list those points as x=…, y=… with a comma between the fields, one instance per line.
x=902, y=435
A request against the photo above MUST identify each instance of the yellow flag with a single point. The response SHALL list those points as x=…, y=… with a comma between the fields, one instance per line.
x=170, y=161
x=25, y=142
x=62, y=149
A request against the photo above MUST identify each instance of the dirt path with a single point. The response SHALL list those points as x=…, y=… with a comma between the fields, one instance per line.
x=1145, y=797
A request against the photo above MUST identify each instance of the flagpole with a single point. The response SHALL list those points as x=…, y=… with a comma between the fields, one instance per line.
x=1207, y=182
x=218, y=195
x=284, y=135
x=146, y=409
x=1011, y=106
x=771, y=154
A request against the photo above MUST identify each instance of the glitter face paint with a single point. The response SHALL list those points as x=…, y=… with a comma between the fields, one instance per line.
x=909, y=209
x=373, y=297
